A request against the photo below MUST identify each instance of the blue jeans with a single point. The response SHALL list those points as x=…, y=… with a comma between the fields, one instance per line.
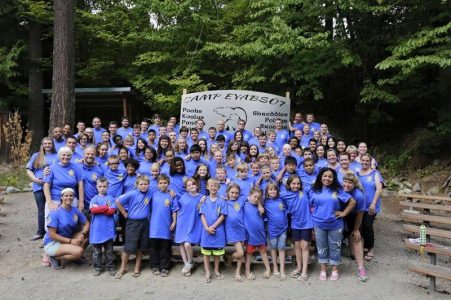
x=40, y=203
x=279, y=242
x=328, y=243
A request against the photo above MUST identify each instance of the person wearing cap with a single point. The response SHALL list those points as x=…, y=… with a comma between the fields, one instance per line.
x=64, y=240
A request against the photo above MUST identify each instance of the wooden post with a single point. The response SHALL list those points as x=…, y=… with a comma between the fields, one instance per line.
x=185, y=91
x=287, y=95
x=124, y=107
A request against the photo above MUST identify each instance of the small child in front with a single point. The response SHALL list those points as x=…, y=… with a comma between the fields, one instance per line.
x=137, y=223
x=103, y=228
x=162, y=222
x=213, y=239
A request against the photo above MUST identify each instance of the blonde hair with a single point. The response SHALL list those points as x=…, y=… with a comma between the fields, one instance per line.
x=40, y=162
x=353, y=178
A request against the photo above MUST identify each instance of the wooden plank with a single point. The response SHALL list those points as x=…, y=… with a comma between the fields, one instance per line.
x=430, y=218
x=430, y=248
x=431, y=270
x=426, y=206
x=424, y=197
x=430, y=231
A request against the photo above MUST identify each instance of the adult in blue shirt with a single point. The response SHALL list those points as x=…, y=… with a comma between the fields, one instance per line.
x=64, y=240
x=194, y=161
x=328, y=199
x=58, y=138
x=37, y=168
x=125, y=129
x=247, y=135
x=91, y=172
x=97, y=129
x=63, y=174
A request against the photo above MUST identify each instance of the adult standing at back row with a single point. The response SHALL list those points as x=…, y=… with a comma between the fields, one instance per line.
x=97, y=129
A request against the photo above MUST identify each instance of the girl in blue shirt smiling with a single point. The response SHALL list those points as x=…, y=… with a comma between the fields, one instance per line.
x=327, y=199
x=276, y=212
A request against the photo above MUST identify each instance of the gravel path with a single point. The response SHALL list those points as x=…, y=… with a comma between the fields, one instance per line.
x=23, y=277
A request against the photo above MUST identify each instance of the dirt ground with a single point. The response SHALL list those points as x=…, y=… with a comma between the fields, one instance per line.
x=23, y=277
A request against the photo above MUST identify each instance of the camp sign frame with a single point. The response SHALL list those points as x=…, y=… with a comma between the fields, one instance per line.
x=256, y=108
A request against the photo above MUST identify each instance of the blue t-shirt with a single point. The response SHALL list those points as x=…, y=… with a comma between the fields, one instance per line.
x=321, y=163
x=129, y=183
x=123, y=132
x=66, y=222
x=177, y=184
x=299, y=208
x=103, y=227
x=90, y=175
x=62, y=177
x=138, y=204
x=325, y=203
x=145, y=167
x=359, y=198
x=59, y=144
x=115, y=181
x=230, y=172
x=161, y=216
x=189, y=225
x=222, y=192
x=212, y=210
x=281, y=138
x=49, y=159
x=191, y=165
x=307, y=179
x=234, y=223
x=340, y=177
x=98, y=134
x=255, y=226
x=355, y=166
x=245, y=185
x=276, y=212
x=369, y=186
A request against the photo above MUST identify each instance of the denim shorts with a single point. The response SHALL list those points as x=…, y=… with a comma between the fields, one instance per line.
x=279, y=242
x=51, y=248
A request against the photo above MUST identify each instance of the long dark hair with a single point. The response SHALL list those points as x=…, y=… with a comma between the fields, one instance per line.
x=137, y=150
x=318, y=185
x=159, y=149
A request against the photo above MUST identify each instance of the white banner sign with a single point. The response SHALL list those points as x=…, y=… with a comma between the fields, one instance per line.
x=257, y=109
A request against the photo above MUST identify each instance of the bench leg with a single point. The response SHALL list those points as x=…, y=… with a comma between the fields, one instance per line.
x=432, y=278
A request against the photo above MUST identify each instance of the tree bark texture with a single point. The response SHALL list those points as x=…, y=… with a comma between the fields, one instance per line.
x=63, y=80
x=35, y=85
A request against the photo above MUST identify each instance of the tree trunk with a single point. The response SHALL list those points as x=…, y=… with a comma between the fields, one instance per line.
x=63, y=79
x=35, y=85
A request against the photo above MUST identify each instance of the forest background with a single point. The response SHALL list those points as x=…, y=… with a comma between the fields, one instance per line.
x=378, y=71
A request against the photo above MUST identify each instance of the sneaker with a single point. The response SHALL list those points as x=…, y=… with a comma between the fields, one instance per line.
x=97, y=272
x=363, y=276
x=334, y=276
x=54, y=263
x=112, y=272
x=155, y=271
x=189, y=267
x=186, y=269
x=164, y=273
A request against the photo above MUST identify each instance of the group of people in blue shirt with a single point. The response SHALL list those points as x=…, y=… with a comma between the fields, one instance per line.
x=167, y=185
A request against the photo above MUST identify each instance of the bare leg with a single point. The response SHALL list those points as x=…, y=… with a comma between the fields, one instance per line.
x=265, y=260
x=216, y=264
x=282, y=262
x=238, y=255
x=207, y=266
x=139, y=256
x=305, y=256
x=274, y=261
x=247, y=265
x=124, y=262
x=298, y=252
x=189, y=252
x=69, y=252
x=357, y=249
x=183, y=254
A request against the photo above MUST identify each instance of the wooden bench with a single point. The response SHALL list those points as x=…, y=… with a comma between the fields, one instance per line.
x=435, y=213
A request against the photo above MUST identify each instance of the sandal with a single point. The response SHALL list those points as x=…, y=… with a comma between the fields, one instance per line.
x=277, y=274
x=334, y=276
x=303, y=278
x=45, y=262
x=295, y=274
x=136, y=274
x=267, y=274
x=251, y=276
x=282, y=277
x=120, y=274
x=219, y=276
x=369, y=257
x=207, y=279
x=322, y=276
x=238, y=278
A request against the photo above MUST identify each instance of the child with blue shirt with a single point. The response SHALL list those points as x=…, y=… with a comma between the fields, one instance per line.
x=245, y=183
x=103, y=231
x=301, y=224
x=137, y=223
x=202, y=176
x=162, y=222
x=189, y=226
x=213, y=239
x=115, y=176
x=255, y=230
x=276, y=212
x=234, y=225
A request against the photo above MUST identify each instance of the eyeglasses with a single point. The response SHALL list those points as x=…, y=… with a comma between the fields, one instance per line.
x=113, y=163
